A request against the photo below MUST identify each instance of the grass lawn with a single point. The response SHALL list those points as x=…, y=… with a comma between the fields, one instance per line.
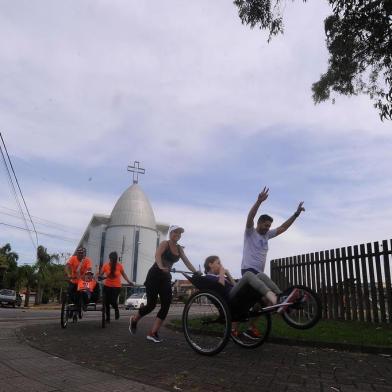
x=328, y=331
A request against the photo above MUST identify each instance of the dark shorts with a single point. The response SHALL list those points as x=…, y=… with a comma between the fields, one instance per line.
x=250, y=270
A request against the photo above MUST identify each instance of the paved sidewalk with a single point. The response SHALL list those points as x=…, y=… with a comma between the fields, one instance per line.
x=26, y=369
x=173, y=366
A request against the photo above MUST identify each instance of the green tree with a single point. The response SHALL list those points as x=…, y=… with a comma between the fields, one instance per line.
x=8, y=267
x=43, y=267
x=359, y=41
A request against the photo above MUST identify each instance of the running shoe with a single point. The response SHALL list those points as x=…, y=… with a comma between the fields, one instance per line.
x=252, y=333
x=132, y=326
x=154, y=337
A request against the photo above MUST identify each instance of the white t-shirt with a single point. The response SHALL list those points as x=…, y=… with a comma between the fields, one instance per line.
x=256, y=248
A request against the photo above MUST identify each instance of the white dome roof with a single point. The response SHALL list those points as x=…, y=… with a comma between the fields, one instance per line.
x=133, y=208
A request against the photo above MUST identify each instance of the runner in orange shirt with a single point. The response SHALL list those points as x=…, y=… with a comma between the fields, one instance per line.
x=112, y=272
x=75, y=269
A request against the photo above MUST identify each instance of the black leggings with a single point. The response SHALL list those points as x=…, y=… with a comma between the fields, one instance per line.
x=111, y=296
x=157, y=283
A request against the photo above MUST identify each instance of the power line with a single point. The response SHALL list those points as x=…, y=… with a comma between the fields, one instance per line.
x=15, y=194
x=50, y=224
x=20, y=190
x=39, y=232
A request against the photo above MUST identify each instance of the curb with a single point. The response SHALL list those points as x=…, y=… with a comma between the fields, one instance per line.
x=387, y=351
x=380, y=350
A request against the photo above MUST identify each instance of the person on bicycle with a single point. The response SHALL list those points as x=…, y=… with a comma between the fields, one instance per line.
x=86, y=289
x=75, y=269
x=112, y=272
x=256, y=239
x=158, y=282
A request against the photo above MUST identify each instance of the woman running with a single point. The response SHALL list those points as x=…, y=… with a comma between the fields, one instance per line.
x=158, y=282
x=112, y=272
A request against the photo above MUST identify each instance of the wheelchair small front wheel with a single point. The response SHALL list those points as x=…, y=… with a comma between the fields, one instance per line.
x=206, y=322
x=64, y=312
x=305, y=309
x=245, y=336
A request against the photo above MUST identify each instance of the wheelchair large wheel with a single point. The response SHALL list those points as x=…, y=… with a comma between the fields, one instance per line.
x=64, y=312
x=244, y=337
x=206, y=322
x=305, y=310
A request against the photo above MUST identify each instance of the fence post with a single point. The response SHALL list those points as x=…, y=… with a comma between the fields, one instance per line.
x=365, y=283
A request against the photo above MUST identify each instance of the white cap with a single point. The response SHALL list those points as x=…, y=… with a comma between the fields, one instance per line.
x=175, y=227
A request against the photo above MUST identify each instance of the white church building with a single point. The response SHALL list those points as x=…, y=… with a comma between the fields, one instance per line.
x=131, y=230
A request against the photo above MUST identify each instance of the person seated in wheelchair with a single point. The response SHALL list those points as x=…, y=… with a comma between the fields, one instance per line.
x=250, y=285
x=260, y=283
x=87, y=290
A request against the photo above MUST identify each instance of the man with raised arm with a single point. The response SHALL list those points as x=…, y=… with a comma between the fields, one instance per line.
x=256, y=239
x=255, y=250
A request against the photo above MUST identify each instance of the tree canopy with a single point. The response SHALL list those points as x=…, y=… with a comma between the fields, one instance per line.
x=359, y=41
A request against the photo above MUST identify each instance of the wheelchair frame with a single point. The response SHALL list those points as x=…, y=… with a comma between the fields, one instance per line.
x=71, y=311
x=212, y=309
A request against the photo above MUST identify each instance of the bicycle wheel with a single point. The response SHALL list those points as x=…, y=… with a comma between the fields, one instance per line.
x=64, y=312
x=305, y=310
x=206, y=322
x=242, y=335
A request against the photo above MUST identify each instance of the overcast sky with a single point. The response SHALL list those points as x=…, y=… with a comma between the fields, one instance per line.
x=212, y=111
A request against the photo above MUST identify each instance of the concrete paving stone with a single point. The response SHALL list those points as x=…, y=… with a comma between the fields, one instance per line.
x=364, y=386
x=24, y=384
x=7, y=371
x=382, y=388
x=349, y=388
x=296, y=379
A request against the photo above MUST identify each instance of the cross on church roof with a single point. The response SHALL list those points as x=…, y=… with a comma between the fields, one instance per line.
x=136, y=170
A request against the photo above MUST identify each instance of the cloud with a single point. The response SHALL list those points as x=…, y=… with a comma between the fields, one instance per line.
x=158, y=81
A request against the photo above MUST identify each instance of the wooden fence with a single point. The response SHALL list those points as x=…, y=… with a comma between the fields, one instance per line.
x=354, y=283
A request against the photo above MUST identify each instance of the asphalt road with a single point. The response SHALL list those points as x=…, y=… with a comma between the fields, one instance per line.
x=172, y=365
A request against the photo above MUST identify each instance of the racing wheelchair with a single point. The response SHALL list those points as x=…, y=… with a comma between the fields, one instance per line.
x=208, y=318
x=72, y=306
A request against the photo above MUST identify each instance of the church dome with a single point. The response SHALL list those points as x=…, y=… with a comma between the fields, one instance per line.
x=133, y=209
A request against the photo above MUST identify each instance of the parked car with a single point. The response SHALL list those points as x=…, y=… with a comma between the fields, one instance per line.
x=136, y=301
x=10, y=297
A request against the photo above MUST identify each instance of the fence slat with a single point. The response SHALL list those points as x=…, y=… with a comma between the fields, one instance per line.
x=339, y=284
x=329, y=283
x=358, y=284
x=351, y=282
x=346, y=300
x=313, y=272
x=303, y=269
x=380, y=288
x=387, y=272
x=334, y=287
x=308, y=271
x=323, y=286
x=297, y=273
x=317, y=268
x=365, y=283
x=372, y=282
